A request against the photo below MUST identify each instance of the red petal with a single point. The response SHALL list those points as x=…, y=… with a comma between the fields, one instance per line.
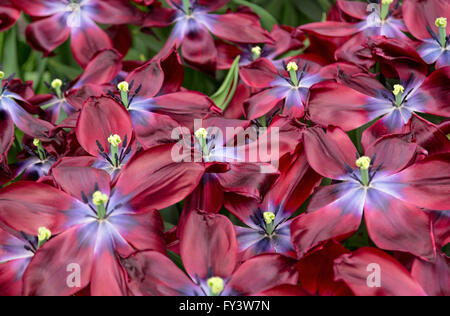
x=99, y=119
x=262, y=273
x=329, y=154
x=153, y=274
x=155, y=181
x=433, y=277
x=47, y=34
x=356, y=270
x=208, y=244
x=26, y=206
x=396, y=225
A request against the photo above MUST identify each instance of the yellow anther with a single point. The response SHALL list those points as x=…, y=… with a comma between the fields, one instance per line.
x=44, y=234
x=363, y=163
x=256, y=51
x=292, y=66
x=114, y=140
x=2, y=75
x=123, y=86
x=387, y=1
x=57, y=83
x=98, y=198
x=36, y=142
x=441, y=22
x=216, y=285
x=201, y=133
x=269, y=217
x=398, y=89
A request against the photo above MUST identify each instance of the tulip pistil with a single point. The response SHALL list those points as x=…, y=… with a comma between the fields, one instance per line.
x=385, y=4
x=292, y=68
x=363, y=164
x=441, y=23
x=44, y=234
x=398, y=93
x=124, y=89
x=40, y=149
x=269, y=218
x=114, y=141
x=215, y=285
x=100, y=200
x=201, y=134
x=256, y=51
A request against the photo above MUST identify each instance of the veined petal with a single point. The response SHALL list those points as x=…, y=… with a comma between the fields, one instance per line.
x=397, y=225
x=99, y=119
x=262, y=273
x=47, y=34
x=355, y=269
x=343, y=215
x=208, y=245
x=88, y=39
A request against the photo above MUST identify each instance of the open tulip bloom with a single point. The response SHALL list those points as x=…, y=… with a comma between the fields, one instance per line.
x=215, y=148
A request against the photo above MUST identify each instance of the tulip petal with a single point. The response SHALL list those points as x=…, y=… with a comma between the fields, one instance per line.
x=356, y=270
x=208, y=246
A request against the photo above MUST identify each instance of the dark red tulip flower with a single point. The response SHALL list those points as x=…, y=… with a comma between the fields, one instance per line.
x=68, y=98
x=193, y=24
x=381, y=185
x=285, y=39
x=427, y=21
x=109, y=140
x=11, y=113
x=268, y=222
x=288, y=85
x=424, y=279
x=394, y=106
x=61, y=19
x=93, y=221
x=151, y=94
x=377, y=18
x=8, y=14
x=210, y=256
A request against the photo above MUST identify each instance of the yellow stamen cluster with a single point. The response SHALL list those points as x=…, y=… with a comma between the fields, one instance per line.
x=387, y=1
x=201, y=133
x=2, y=75
x=123, y=86
x=98, y=198
x=36, y=142
x=441, y=22
x=44, y=234
x=57, y=83
x=216, y=285
x=292, y=66
x=363, y=163
x=114, y=140
x=269, y=217
x=398, y=89
x=256, y=51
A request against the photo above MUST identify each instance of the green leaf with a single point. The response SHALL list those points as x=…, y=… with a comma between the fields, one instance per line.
x=311, y=8
x=267, y=20
x=225, y=94
x=10, y=63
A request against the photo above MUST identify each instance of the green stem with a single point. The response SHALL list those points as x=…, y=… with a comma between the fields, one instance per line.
x=204, y=146
x=398, y=99
x=269, y=228
x=384, y=11
x=294, y=77
x=365, y=176
x=124, y=96
x=101, y=211
x=187, y=6
x=443, y=36
x=114, y=154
